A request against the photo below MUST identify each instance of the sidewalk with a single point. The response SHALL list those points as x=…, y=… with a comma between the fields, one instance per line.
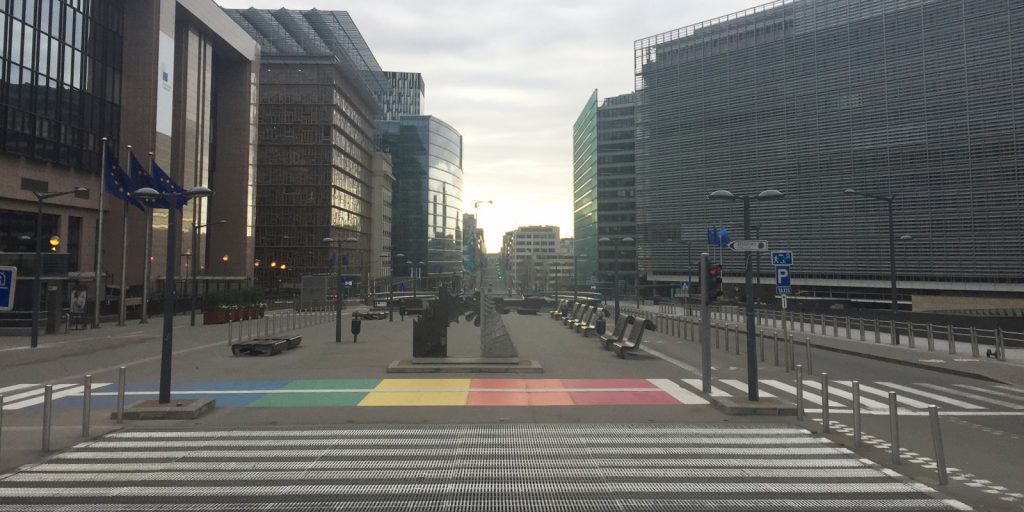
x=1010, y=371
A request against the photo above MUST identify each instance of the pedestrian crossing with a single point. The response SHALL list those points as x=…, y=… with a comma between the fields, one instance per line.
x=23, y=396
x=915, y=398
x=579, y=467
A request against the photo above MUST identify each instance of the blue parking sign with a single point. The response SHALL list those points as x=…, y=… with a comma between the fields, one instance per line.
x=782, y=280
x=8, y=275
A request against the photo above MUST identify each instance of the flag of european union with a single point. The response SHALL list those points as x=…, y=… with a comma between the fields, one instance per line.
x=713, y=237
x=163, y=183
x=723, y=236
x=117, y=183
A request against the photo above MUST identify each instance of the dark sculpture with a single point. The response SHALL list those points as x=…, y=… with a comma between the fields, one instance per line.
x=430, y=330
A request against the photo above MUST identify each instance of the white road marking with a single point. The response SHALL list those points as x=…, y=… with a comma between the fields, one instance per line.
x=678, y=392
x=933, y=396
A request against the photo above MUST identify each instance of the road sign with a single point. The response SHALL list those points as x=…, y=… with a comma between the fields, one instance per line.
x=782, y=284
x=782, y=258
x=783, y=290
x=8, y=275
x=685, y=285
x=749, y=245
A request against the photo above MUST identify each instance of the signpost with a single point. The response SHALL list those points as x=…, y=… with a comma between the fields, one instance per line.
x=8, y=275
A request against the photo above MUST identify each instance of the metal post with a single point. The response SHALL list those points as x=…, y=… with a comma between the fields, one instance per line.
x=940, y=452
x=1000, y=350
x=931, y=338
x=1, y=425
x=752, y=386
x=790, y=360
x=860, y=323
x=878, y=332
x=801, y=318
x=229, y=331
x=738, y=341
x=167, y=342
x=910, y=334
x=894, y=338
x=951, y=339
x=894, y=427
x=86, y=405
x=848, y=321
x=705, y=327
x=974, y=342
x=761, y=335
x=825, y=422
x=856, y=415
x=775, y=348
x=835, y=326
x=800, y=392
x=120, y=394
x=726, y=338
x=807, y=354
x=47, y=415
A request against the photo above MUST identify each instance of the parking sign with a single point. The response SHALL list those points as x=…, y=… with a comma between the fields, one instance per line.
x=8, y=275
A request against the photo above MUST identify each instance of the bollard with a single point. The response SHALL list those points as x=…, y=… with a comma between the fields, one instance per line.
x=1, y=425
x=878, y=333
x=807, y=354
x=940, y=453
x=826, y=425
x=848, y=329
x=775, y=348
x=894, y=337
x=760, y=342
x=894, y=427
x=120, y=394
x=737, y=340
x=835, y=327
x=801, y=322
x=974, y=342
x=931, y=338
x=812, y=324
x=910, y=335
x=47, y=415
x=790, y=360
x=856, y=414
x=229, y=332
x=727, y=338
x=1000, y=349
x=86, y=405
x=860, y=324
x=718, y=345
x=950, y=336
x=799, y=392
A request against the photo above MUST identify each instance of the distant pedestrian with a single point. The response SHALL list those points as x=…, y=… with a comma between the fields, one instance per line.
x=401, y=311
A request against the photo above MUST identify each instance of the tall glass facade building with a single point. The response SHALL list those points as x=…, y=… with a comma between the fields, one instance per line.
x=427, y=196
x=915, y=99
x=584, y=190
x=404, y=95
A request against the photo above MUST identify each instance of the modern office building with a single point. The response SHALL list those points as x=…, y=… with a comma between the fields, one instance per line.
x=910, y=100
x=319, y=84
x=531, y=252
x=380, y=220
x=168, y=77
x=604, y=191
x=427, y=200
x=404, y=95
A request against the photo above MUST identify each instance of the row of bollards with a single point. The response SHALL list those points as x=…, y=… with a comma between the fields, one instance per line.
x=894, y=421
x=86, y=408
x=276, y=324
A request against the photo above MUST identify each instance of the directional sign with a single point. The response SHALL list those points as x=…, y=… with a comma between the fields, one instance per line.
x=782, y=258
x=8, y=275
x=749, y=245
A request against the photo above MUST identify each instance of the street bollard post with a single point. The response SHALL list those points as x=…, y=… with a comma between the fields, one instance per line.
x=801, y=322
x=737, y=340
x=930, y=333
x=940, y=452
x=951, y=337
x=975, y=351
x=878, y=332
x=120, y=394
x=835, y=327
x=911, y=342
x=229, y=331
x=47, y=415
x=848, y=321
x=1000, y=350
x=825, y=422
x=760, y=342
x=807, y=354
x=790, y=360
x=894, y=337
x=718, y=344
x=775, y=348
x=894, y=427
x=800, y=392
x=860, y=324
x=86, y=405
x=856, y=414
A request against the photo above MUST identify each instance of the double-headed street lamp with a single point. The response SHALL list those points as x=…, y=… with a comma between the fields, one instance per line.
x=616, y=242
x=337, y=265
x=147, y=193
x=766, y=195
x=37, y=281
x=195, y=265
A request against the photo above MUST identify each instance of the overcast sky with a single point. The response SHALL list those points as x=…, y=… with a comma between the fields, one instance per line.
x=512, y=77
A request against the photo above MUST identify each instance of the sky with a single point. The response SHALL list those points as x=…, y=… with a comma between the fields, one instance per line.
x=512, y=77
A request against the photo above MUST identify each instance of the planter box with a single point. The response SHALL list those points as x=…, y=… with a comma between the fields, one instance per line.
x=215, y=317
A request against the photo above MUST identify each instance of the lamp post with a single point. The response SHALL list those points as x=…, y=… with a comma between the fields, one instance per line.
x=391, y=289
x=337, y=260
x=766, y=195
x=616, y=242
x=481, y=270
x=147, y=193
x=195, y=265
x=37, y=280
x=575, y=275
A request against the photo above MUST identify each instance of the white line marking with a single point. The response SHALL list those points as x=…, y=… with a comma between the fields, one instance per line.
x=74, y=391
x=678, y=392
x=933, y=396
x=16, y=387
x=810, y=397
x=742, y=386
x=871, y=404
x=12, y=400
x=910, y=402
x=1010, y=405
x=698, y=385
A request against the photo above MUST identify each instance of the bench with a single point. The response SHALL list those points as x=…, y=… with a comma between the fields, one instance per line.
x=264, y=346
x=579, y=317
x=558, y=309
x=572, y=313
x=592, y=325
x=616, y=335
x=636, y=335
x=587, y=319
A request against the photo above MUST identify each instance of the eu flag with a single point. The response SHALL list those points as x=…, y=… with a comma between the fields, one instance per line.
x=163, y=183
x=723, y=237
x=117, y=183
x=713, y=237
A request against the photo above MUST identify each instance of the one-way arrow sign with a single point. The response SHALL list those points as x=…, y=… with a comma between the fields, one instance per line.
x=749, y=245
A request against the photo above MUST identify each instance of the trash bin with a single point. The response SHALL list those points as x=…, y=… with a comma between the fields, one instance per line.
x=357, y=325
x=599, y=326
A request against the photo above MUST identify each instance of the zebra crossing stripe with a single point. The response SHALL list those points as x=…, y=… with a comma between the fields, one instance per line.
x=810, y=397
x=1018, y=391
x=15, y=401
x=973, y=396
x=909, y=402
x=71, y=390
x=991, y=391
x=933, y=396
x=678, y=392
x=16, y=387
x=742, y=386
x=698, y=384
x=438, y=452
x=835, y=390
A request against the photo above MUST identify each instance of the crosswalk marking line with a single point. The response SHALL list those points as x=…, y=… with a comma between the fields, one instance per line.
x=699, y=385
x=66, y=392
x=678, y=392
x=362, y=432
x=463, y=442
x=972, y=396
x=13, y=399
x=991, y=391
x=16, y=387
x=871, y=404
x=910, y=402
x=382, y=452
x=1010, y=388
x=933, y=396
x=808, y=396
x=742, y=386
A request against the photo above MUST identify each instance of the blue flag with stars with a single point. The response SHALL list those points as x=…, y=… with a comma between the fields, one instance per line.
x=163, y=183
x=118, y=184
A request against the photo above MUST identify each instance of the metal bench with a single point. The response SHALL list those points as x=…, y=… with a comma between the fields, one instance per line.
x=558, y=309
x=587, y=319
x=264, y=346
x=572, y=313
x=636, y=335
x=616, y=335
x=584, y=313
x=592, y=325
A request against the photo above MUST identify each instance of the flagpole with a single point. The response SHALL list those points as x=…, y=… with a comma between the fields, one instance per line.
x=146, y=267
x=99, y=241
x=122, y=314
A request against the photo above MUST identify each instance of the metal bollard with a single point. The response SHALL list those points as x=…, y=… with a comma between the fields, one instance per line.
x=835, y=327
x=47, y=415
x=760, y=342
x=910, y=335
x=930, y=332
x=826, y=425
x=878, y=333
x=813, y=326
x=807, y=354
x=120, y=394
x=86, y=405
x=1000, y=349
x=848, y=328
x=229, y=332
x=737, y=340
x=894, y=336
x=894, y=427
x=801, y=322
x=940, y=452
x=727, y=338
x=856, y=414
x=790, y=360
x=717, y=343
x=974, y=342
x=860, y=324
x=800, y=392
x=775, y=348
x=951, y=337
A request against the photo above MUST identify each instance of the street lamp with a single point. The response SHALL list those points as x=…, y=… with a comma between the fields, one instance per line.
x=337, y=266
x=195, y=265
x=37, y=281
x=482, y=263
x=391, y=289
x=765, y=195
x=889, y=200
x=147, y=193
x=616, y=242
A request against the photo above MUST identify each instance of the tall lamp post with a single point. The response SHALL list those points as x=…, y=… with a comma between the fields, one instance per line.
x=481, y=266
x=616, y=242
x=575, y=274
x=766, y=195
x=195, y=265
x=391, y=288
x=337, y=265
x=37, y=281
x=147, y=193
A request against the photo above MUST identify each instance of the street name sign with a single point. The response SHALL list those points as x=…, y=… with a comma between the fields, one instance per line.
x=749, y=245
x=8, y=275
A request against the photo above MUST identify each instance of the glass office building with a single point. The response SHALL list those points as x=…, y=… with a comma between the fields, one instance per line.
x=427, y=196
x=404, y=95
x=914, y=99
x=584, y=190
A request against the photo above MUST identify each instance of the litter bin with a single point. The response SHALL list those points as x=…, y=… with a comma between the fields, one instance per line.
x=357, y=325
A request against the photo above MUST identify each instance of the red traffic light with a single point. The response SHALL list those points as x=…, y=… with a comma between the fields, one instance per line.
x=715, y=270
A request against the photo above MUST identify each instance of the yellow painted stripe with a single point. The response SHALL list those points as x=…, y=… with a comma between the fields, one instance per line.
x=414, y=398
x=422, y=384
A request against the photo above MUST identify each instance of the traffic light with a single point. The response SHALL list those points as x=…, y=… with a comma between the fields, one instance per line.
x=714, y=282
